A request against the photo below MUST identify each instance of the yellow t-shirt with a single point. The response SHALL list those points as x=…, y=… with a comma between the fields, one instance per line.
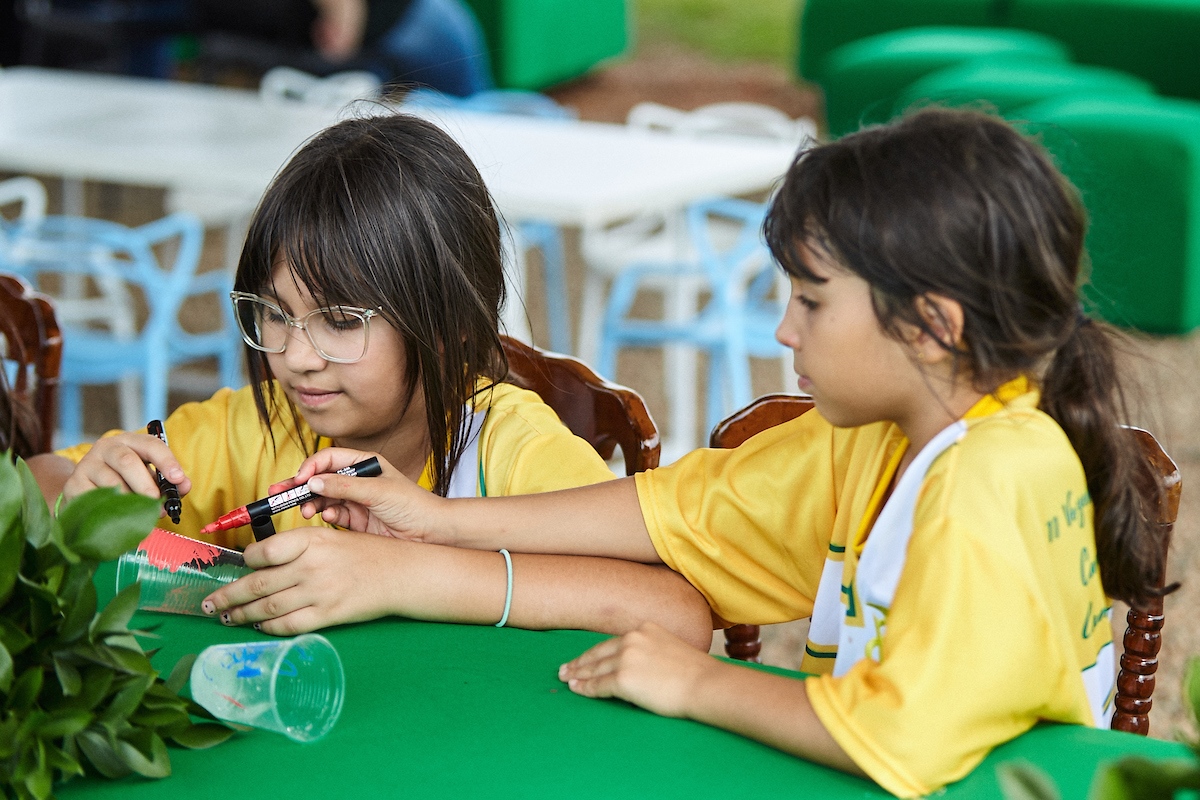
x=998, y=611
x=221, y=446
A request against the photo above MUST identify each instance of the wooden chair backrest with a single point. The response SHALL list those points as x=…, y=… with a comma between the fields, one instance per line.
x=603, y=413
x=1142, y=639
x=29, y=336
x=744, y=642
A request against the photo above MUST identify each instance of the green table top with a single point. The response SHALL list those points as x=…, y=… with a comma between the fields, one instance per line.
x=447, y=711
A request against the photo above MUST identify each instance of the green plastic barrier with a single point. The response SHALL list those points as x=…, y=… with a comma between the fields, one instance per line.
x=460, y=711
x=1006, y=86
x=828, y=24
x=862, y=79
x=538, y=43
x=1158, y=40
x=1136, y=162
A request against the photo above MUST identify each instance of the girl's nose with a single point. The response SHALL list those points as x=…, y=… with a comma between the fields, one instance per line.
x=300, y=355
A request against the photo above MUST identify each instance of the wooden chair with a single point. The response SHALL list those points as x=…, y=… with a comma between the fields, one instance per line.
x=1142, y=638
x=603, y=413
x=744, y=642
x=30, y=337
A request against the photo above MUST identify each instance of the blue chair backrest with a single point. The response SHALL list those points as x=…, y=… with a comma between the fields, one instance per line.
x=492, y=101
x=730, y=265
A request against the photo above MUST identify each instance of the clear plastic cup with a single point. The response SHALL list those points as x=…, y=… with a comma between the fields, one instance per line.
x=174, y=578
x=290, y=686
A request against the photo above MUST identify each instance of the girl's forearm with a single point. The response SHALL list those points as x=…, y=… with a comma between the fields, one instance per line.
x=449, y=584
x=772, y=709
x=600, y=520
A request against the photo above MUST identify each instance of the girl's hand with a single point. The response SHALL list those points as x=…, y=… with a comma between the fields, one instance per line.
x=122, y=462
x=387, y=505
x=305, y=579
x=648, y=667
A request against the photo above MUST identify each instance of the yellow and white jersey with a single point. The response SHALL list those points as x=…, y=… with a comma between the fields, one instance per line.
x=943, y=625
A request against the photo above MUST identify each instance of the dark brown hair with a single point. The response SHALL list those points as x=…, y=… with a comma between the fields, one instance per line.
x=19, y=427
x=960, y=204
x=388, y=212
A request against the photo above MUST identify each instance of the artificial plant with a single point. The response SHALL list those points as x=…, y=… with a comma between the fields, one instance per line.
x=78, y=694
x=1130, y=778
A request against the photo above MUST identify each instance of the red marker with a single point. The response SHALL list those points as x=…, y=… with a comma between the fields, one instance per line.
x=263, y=509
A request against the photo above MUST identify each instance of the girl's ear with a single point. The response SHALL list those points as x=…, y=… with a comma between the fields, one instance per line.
x=944, y=318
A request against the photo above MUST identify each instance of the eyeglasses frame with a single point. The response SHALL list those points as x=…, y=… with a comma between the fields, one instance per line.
x=302, y=324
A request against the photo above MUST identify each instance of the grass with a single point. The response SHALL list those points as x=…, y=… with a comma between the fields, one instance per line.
x=726, y=30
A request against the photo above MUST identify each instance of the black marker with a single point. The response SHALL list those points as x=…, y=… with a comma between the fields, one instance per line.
x=170, y=494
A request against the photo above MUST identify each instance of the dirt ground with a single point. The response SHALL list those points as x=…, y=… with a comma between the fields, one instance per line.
x=1168, y=369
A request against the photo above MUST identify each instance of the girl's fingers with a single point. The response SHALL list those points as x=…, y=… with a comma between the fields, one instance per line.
x=271, y=607
x=599, y=652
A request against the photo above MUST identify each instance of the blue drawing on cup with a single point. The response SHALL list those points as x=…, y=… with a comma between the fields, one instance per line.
x=246, y=658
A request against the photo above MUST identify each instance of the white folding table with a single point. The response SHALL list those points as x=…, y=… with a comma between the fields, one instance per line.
x=186, y=136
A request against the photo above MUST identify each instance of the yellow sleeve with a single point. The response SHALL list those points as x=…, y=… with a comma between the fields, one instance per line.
x=750, y=527
x=223, y=449
x=526, y=449
x=980, y=644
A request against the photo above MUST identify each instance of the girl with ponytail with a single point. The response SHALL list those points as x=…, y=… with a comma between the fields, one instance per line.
x=954, y=515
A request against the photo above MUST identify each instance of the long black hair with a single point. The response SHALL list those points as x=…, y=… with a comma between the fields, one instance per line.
x=960, y=204
x=388, y=212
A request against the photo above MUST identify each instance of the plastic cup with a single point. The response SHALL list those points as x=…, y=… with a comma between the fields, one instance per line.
x=290, y=686
x=177, y=591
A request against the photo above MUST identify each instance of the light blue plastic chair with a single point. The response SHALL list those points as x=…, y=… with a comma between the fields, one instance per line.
x=736, y=323
x=544, y=237
x=102, y=340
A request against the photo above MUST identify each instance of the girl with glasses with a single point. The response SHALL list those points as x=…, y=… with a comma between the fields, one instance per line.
x=368, y=293
x=952, y=517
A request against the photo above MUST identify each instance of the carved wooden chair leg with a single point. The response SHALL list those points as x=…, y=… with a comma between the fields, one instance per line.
x=743, y=643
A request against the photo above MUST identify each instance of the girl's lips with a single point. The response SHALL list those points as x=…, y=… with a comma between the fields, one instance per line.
x=313, y=398
x=804, y=383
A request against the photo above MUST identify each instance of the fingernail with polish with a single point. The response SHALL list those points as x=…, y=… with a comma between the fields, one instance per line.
x=208, y=607
x=257, y=626
x=225, y=618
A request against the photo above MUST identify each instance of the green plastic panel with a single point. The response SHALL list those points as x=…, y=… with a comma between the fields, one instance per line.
x=1136, y=162
x=1158, y=40
x=538, y=43
x=827, y=24
x=862, y=79
x=1005, y=86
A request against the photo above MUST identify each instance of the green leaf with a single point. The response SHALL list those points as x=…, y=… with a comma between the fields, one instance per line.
x=62, y=761
x=12, y=536
x=39, y=782
x=25, y=689
x=202, y=735
x=101, y=524
x=1023, y=781
x=34, y=512
x=11, y=495
x=128, y=661
x=68, y=677
x=1191, y=686
x=14, y=639
x=126, y=701
x=116, y=615
x=79, y=616
x=63, y=723
x=6, y=670
x=180, y=673
x=145, y=753
x=102, y=754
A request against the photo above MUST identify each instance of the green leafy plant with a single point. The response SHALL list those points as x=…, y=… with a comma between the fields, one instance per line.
x=1131, y=778
x=78, y=694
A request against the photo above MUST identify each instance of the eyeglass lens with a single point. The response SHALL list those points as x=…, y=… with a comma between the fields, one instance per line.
x=338, y=333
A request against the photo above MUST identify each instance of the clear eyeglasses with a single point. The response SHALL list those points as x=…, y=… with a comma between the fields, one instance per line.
x=338, y=333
